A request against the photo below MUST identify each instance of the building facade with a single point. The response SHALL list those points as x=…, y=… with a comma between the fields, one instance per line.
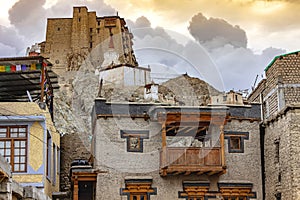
x=154, y=151
x=31, y=144
x=69, y=41
x=279, y=95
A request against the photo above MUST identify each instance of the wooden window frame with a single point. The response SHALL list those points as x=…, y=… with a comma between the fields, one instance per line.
x=138, y=196
x=233, y=135
x=8, y=138
x=194, y=190
x=236, y=191
x=138, y=188
x=139, y=135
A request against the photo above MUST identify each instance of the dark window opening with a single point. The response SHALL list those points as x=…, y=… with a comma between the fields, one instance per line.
x=91, y=30
x=235, y=143
x=91, y=45
x=279, y=177
x=58, y=29
x=277, y=145
x=79, y=19
x=278, y=196
x=98, y=30
x=49, y=150
x=86, y=190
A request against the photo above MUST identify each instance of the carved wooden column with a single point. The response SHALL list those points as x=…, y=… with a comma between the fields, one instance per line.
x=222, y=145
x=164, y=146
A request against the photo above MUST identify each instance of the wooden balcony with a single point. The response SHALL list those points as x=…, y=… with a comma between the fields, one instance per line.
x=187, y=160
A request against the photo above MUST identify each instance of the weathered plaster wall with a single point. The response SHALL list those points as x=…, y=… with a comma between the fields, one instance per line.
x=117, y=164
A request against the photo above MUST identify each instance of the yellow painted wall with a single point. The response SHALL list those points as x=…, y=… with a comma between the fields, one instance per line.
x=36, y=146
x=36, y=151
x=28, y=178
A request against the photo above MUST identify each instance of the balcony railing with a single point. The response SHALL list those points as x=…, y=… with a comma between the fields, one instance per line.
x=187, y=160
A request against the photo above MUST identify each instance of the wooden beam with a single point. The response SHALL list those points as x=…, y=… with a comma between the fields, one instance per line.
x=222, y=145
x=164, y=136
x=200, y=173
x=172, y=128
x=187, y=173
x=177, y=172
x=212, y=173
x=42, y=83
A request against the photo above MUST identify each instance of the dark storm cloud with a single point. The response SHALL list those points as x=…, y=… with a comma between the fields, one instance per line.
x=28, y=18
x=220, y=58
x=203, y=29
x=10, y=42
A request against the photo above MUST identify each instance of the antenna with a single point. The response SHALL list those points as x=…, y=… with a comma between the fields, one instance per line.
x=255, y=82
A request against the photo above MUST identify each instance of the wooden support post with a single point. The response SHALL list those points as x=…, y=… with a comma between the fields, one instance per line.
x=42, y=82
x=164, y=145
x=222, y=145
x=75, y=190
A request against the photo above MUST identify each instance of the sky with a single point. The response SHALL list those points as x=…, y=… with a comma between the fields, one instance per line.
x=228, y=43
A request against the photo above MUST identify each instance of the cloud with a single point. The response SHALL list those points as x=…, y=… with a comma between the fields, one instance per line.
x=28, y=18
x=203, y=29
x=259, y=18
x=227, y=45
x=10, y=41
x=219, y=58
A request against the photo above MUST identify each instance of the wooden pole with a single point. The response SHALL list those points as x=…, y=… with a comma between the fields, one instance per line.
x=75, y=191
x=222, y=145
x=164, y=144
x=42, y=81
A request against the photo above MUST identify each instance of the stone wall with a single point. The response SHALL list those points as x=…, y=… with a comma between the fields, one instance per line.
x=245, y=167
x=282, y=152
x=69, y=41
x=116, y=164
x=281, y=86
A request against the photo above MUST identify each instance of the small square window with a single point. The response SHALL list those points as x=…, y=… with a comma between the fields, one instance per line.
x=235, y=143
x=134, y=143
x=134, y=139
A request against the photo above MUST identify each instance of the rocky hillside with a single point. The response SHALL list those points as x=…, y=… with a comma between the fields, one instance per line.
x=182, y=90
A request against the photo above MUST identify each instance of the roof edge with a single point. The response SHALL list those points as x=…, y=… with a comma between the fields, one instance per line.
x=282, y=55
